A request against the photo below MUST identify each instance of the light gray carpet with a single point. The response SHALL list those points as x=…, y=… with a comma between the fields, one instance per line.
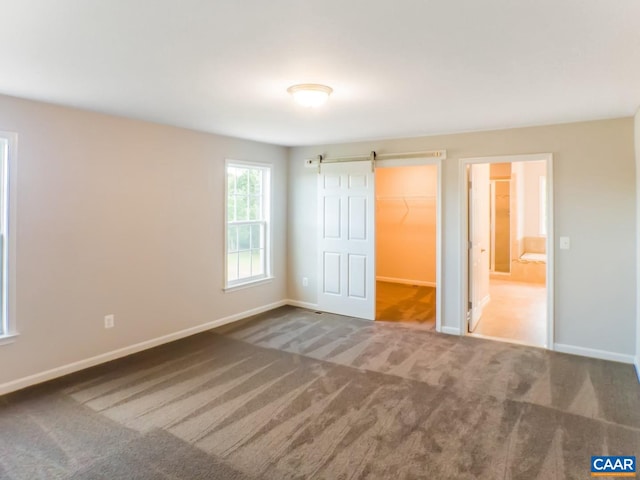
x=293, y=394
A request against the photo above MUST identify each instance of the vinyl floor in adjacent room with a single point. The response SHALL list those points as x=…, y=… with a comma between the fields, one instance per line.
x=292, y=394
x=517, y=312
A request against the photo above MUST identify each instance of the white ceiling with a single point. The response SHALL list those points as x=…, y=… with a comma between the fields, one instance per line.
x=398, y=67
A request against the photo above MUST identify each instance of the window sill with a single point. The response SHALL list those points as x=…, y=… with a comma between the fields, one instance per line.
x=253, y=283
x=8, y=338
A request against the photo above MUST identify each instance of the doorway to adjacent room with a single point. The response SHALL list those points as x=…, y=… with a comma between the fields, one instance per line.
x=508, y=257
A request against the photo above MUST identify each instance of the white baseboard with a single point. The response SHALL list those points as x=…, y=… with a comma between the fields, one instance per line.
x=298, y=303
x=123, y=352
x=593, y=353
x=450, y=330
x=406, y=281
x=30, y=380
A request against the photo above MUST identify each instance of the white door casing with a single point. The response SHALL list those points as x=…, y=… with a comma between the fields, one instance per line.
x=479, y=240
x=346, y=260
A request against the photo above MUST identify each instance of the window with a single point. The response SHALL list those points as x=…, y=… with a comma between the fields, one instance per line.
x=248, y=214
x=7, y=148
x=542, y=192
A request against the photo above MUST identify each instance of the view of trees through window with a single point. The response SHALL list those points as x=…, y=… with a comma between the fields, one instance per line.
x=246, y=222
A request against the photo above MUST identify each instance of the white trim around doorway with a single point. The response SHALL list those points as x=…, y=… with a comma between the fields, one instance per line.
x=464, y=234
x=407, y=162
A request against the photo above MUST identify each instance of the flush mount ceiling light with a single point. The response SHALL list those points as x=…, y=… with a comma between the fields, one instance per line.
x=310, y=94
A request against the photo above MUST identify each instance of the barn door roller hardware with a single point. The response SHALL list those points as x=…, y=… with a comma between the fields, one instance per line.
x=373, y=156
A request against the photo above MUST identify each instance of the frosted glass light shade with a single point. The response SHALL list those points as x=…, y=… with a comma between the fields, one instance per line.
x=310, y=94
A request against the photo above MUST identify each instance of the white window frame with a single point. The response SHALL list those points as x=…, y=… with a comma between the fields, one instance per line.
x=266, y=276
x=8, y=178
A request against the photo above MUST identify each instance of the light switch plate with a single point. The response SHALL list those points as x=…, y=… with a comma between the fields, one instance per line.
x=565, y=243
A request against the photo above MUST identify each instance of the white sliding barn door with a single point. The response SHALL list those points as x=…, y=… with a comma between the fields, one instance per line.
x=346, y=262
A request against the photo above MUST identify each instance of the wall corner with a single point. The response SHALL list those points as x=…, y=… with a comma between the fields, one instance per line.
x=636, y=129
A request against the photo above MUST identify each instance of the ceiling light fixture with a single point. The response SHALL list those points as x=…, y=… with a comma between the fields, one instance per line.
x=310, y=94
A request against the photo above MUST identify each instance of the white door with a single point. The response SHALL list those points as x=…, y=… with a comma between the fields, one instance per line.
x=346, y=262
x=479, y=239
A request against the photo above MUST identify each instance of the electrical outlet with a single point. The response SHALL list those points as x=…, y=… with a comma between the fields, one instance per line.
x=109, y=321
x=305, y=282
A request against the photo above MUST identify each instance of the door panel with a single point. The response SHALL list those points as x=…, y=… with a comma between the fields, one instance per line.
x=479, y=239
x=358, y=218
x=332, y=217
x=357, y=276
x=331, y=269
x=331, y=181
x=347, y=243
x=358, y=181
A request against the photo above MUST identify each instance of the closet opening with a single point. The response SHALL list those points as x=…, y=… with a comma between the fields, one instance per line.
x=406, y=204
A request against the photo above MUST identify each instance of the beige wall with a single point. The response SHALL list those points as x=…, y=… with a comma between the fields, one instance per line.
x=637, y=151
x=406, y=223
x=526, y=214
x=500, y=171
x=594, y=194
x=124, y=217
x=532, y=172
